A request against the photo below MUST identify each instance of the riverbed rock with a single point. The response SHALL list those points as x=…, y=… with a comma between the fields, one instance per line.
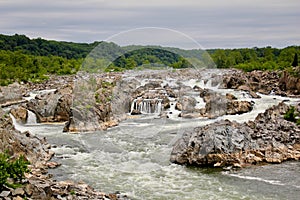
x=37, y=184
x=219, y=105
x=277, y=82
x=95, y=105
x=289, y=82
x=20, y=114
x=12, y=94
x=52, y=106
x=269, y=138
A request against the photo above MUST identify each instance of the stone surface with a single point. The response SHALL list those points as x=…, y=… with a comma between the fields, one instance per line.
x=265, y=82
x=38, y=183
x=20, y=114
x=52, y=106
x=218, y=105
x=269, y=138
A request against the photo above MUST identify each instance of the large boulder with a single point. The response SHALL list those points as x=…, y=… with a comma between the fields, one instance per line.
x=95, y=105
x=52, y=106
x=219, y=105
x=11, y=94
x=290, y=83
x=270, y=138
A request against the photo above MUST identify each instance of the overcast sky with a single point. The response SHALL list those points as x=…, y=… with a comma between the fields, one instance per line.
x=212, y=23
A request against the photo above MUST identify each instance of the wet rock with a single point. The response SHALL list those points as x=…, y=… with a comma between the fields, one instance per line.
x=135, y=112
x=238, y=107
x=5, y=193
x=244, y=88
x=254, y=95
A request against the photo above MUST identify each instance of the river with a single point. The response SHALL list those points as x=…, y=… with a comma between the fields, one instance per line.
x=133, y=158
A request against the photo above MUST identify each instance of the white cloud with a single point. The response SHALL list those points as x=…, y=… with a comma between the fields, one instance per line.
x=213, y=23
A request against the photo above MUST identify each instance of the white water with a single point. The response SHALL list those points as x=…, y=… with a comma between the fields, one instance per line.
x=134, y=158
x=31, y=119
x=146, y=106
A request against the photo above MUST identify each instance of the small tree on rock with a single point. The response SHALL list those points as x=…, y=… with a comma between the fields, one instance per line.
x=295, y=61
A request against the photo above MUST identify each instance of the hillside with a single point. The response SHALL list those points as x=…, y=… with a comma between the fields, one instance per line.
x=31, y=60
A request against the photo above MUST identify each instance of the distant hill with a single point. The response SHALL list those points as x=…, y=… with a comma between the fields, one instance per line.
x=25, y=59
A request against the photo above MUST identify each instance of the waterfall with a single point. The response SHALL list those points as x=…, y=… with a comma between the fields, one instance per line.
x=31, y=119
x=147, y=106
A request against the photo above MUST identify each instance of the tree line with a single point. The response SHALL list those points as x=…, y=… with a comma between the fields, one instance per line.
x=23, y=59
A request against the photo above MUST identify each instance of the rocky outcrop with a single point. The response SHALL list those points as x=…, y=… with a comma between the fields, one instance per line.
x=12, y=94
x=219, y=105
x=38, y=184
x=92, y=103
x=269, y=138
x=277, y=82
x=52, y=106
x=20, y=114
x=35, y=149
x=290, y=83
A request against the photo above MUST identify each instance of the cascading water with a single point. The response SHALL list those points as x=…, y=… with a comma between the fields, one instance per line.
x=31, y=119
x=147, y=106
x=134, y=157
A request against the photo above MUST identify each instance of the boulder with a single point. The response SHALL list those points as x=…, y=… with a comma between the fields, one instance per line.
x=238, y=107
x=269, y=138
x=20, y=114
x=52, y=106
x=230, y=96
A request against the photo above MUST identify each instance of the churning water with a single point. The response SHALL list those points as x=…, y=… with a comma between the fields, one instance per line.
x=133, y=158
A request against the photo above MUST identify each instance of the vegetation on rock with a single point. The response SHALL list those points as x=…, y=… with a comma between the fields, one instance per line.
x=12, y=168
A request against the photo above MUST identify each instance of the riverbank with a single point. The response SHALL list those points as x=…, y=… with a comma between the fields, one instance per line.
x=38, y=183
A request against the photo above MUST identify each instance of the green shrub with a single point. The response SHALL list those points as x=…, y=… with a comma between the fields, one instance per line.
x=291, y=115
x=10, y=168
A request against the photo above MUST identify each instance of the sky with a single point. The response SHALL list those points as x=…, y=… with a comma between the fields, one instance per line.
x=211, y=23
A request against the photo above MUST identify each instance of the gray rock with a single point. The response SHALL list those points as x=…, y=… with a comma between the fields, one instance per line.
x=4, y=193
x=18, y=191
x=269, y=138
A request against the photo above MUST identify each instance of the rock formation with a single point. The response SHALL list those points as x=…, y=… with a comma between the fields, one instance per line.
x=278, y=82
x=37, y=183
x=218, y=104
x=269, y=138
x=52, y=106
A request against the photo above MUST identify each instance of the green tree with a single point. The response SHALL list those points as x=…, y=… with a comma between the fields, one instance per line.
x=295, y=61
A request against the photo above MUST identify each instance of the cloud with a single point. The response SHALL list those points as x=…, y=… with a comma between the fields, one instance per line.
x=214, y=23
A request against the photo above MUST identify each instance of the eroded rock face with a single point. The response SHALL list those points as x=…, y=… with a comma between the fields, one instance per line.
x=280, y=83
x=52, y=106
x=11, y=94
x=270, y=138
x=290, y=83
x=218, y=105
x=92, y=104
x=38, y=183
x=35, y=149
x=20, y=114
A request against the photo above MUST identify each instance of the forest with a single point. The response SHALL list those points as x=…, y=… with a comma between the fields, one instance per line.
x=31, y=60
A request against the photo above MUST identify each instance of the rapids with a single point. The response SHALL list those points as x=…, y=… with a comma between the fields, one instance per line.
x=133, y=158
